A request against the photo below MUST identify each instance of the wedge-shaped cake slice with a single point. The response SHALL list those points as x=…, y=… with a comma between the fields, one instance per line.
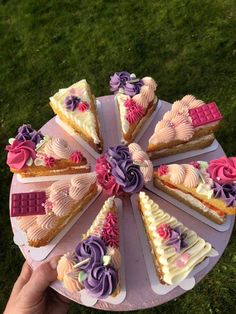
x=43, y=214
x=32, y=154
x=189, y=125
x=176, y=250
x=95, y=263
x=207, y=187
x=76, y=106
x=135, y=100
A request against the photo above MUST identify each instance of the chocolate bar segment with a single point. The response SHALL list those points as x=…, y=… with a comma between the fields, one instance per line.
x=27, y=204
x=205, y=114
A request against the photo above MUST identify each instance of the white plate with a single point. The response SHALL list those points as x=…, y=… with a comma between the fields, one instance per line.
x=156, y=285
x=222, y=228
x=40, y=253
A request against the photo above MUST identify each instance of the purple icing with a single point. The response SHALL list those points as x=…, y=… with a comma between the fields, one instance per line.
x=128, y=176
x=72, y=102
x=93, y=248
x=132, y=89
x=115, y=154
x=226, y=192
x=177, y=239
x=101, y=281
x=118, y=80
x=26, y=132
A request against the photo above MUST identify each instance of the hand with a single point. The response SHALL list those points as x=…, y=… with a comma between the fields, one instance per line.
x=31, y=293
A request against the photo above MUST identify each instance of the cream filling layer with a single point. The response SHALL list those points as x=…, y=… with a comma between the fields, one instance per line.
x=191, y=199
x=85, y=120
x=121, y=98
x=197, y=248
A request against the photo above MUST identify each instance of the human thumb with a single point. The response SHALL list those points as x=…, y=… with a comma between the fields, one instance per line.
x=40, y=280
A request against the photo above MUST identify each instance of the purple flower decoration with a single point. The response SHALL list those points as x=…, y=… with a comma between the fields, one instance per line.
x=72, y=102
x=177, y=239
x=115, y=154
x=128, y=176
x=133, y=88
x=118, y=80
x=26, y=132
x=226, y=192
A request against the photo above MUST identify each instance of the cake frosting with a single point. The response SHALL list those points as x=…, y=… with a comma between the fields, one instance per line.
x=95, y=263
x=75, y=104
x=177, y=249
x=31, y=149
x=181, y=122
x=123, y=169
x=210, y=186
x=62, y=198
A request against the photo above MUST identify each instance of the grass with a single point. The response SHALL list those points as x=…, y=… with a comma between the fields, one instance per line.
x=187, y=46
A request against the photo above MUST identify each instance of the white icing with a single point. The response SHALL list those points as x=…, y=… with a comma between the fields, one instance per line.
x=121, y=98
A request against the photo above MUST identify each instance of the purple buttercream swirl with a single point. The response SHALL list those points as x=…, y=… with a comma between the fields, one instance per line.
x=132, y=89
x=177, y=239
x=101, y=281
x=26, y=132
x=115, y=154
x=128, y=176
x=93, y=248
x=118, y=80
x=72, y=102
x=226, y=192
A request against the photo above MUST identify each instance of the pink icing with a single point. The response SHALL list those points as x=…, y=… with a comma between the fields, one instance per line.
x=48, y=206
x=49, y=161
x=162, y=170
x=110, y=231
x=223, y=170
x=76, y=157
x=19, y=152
x=83, y=106
x=134, y=111
x=105, y=178
x=182, y=260
x=195, y=164
x=164, y=231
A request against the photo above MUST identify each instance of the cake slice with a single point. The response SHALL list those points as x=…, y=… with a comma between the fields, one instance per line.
x=135, y=100
x=43, y=214
x=76, y=106
x=176, y=250
x=189, y=125
x=95, y=263
x=207, y=187
x=32, y=154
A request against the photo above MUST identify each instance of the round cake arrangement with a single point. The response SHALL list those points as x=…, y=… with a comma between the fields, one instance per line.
x=95, y=267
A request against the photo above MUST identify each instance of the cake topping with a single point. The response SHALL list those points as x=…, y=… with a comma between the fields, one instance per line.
x=164, y=231
x=72, y=102
x=141, y=100
x=93, y=248
x=173, y=237
x=205, y=114
x=182, y=260
x=133, y=88
x=26, y=132
x=134, y=113
x=147, y=92
x=223, y=170
x=26, y=204
x=118, y=80
x=19, y=152
x=83, y=106
x=76, y=157
x=110, y=231
x=49, y=161
x=102, y=281
x=226, y=192
x=162, y=170
x=150, y=82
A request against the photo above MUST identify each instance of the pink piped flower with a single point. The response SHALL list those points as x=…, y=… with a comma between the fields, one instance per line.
x=162, y=170
x=130, y=103
x=182, y=260
x=195, y=164
x=49, y=161
x=164, y=231
x=76, y=157
x=110, y=231
x=83, y=106
x=134, y=111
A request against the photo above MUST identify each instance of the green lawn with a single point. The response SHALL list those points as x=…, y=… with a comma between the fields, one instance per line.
x=187, y=46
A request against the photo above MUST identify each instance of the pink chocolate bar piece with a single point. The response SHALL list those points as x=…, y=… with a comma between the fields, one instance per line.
x=26, y=204
x=205, y=114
